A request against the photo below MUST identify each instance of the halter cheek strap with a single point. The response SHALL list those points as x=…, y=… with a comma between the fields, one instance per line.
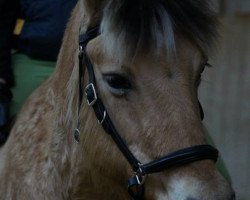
x=136, y=182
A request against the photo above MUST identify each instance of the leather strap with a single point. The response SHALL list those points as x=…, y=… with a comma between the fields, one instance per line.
x=181, y=157
x=96, y=103
x=175, y=159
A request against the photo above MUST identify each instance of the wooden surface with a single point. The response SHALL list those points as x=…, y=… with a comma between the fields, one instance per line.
x=225, y=96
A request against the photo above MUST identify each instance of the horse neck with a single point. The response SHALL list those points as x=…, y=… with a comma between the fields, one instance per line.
x=66, y=72
x=65, y=87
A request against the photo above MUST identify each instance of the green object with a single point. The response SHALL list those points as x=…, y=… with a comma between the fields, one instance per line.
x=220, y=165
x=29, y=74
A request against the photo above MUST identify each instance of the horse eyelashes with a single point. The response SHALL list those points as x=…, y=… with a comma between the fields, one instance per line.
x=207, y=64
x=199, y=79
x=118, y=84
x=117, y=81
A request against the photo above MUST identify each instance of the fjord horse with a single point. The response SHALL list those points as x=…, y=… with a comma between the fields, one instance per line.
x=139, y=124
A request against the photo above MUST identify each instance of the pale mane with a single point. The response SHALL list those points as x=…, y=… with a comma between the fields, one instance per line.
x=132, y=26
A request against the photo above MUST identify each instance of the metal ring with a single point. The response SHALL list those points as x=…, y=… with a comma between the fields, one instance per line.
x=103, y=118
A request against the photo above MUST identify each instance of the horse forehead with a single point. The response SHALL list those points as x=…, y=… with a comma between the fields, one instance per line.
x=157, y=61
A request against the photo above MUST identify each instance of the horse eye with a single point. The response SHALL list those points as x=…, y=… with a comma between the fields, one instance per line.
x=202, y=68
x=118, y=84
x=207, y=64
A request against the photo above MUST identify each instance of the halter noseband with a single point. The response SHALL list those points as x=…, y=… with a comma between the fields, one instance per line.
x=175, y=159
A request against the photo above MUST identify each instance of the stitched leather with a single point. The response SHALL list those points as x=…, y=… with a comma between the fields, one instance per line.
x=177, y=158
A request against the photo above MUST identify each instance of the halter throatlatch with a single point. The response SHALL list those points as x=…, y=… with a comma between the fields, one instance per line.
x=136, y=182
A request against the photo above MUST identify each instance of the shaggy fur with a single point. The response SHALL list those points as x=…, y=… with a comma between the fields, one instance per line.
x=158, y=115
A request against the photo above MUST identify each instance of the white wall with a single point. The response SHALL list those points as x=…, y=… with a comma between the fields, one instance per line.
x=225, y=94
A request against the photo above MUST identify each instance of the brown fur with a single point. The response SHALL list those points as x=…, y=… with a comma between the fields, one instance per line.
x=41, y=160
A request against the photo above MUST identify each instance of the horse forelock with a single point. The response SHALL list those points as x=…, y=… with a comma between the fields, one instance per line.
x=142, y=26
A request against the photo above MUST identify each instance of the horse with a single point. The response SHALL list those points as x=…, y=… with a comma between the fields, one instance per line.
x=135, y=131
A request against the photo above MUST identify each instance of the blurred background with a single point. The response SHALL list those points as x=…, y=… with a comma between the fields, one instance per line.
x=225, y=93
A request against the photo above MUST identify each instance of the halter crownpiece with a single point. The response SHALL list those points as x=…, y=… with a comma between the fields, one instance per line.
x=136, y=182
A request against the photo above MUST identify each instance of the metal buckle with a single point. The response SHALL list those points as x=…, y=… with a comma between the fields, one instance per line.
x=77, y=135
x=91, y=87
x=81, y=48
x=140, y=178
x=103, y=118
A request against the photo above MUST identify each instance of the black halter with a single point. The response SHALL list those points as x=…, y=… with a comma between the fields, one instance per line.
x=135, y=183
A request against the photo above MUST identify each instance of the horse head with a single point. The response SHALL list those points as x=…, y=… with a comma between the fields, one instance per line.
x=143, y=60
